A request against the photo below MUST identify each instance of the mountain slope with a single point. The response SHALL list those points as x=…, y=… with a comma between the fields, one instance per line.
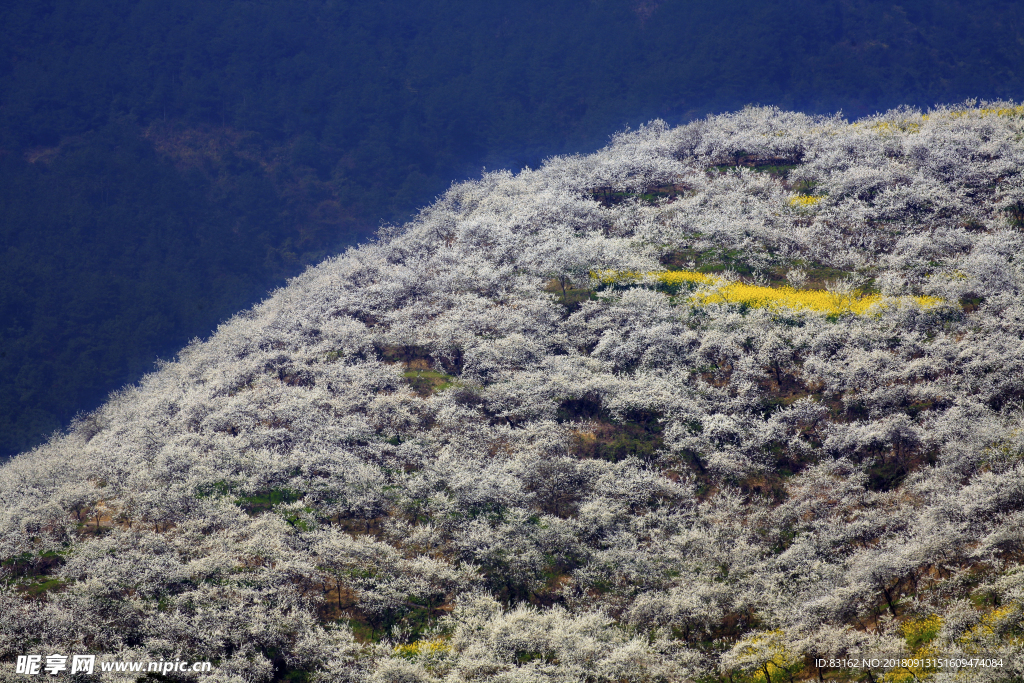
x=506, y=443
x=283, y=132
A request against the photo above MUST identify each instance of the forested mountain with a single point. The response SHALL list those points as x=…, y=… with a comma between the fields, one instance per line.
x=164, y=164
x=712, y=404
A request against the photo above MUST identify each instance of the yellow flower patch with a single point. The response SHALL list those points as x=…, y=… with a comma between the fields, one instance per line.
x=893, y=127
x=804, y=201
x=672, y=278
x=996, y=627
x=773, y=298
x=917, y=632
x=1004, y=112
x=681, y=277
x=777, y=298
x=422, y=648
x=720, y=291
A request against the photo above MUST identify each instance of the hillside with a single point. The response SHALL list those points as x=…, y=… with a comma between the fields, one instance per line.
x=163, y=165
x=710, y=404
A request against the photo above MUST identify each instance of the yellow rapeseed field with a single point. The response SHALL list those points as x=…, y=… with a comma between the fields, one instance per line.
x=897, y=127
x=672, y=278
x=986, y=111
x=721, y=291
x=804, y=201
x=421, y=648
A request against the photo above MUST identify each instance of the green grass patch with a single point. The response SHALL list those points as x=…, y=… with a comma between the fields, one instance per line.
x=38, y=589
x=427, y=382
x=34, y=565
x=264, y=501
x=639, y=433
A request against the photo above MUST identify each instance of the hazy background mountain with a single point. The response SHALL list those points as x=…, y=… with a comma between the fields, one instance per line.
x=163, y=165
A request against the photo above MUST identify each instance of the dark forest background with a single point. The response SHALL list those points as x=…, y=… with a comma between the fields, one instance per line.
x=165, y=163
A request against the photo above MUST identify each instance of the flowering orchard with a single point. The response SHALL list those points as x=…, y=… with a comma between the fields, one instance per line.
x=741, y=400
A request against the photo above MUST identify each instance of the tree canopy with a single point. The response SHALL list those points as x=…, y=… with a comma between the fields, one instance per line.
x=468, y=452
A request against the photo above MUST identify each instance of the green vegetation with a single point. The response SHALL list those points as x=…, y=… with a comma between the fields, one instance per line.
x=637, y=434
x=426, y=382
x=31, y=573
x=264, y=501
